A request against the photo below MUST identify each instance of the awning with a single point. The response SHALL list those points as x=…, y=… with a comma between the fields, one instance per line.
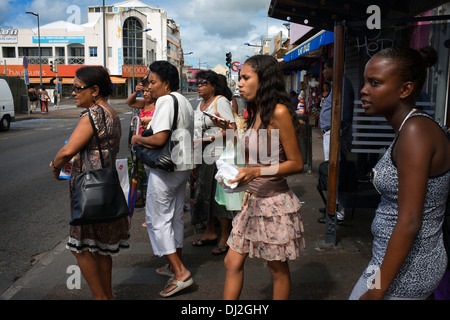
x=38, y=80
x=118, y=80
x=322, y=38
x=67, y=81
x=324, y=14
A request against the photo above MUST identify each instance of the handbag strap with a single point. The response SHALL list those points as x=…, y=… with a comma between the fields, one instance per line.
x=175, y=115
x=98, y=143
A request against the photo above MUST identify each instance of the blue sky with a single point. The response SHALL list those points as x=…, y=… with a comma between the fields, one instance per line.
x=210, y=29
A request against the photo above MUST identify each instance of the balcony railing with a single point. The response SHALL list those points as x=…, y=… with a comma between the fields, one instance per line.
x=137, y=61
x=60, y=60
x=75, y=60
x=35, y=60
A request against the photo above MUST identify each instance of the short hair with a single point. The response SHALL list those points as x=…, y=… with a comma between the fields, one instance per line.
x=429, y=54
x=96, y=76
x=167, y=72
x=411, y=65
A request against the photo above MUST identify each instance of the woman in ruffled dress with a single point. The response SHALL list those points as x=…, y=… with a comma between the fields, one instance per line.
x=269, y=225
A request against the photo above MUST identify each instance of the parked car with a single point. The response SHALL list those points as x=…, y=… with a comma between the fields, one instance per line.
x=6, y=106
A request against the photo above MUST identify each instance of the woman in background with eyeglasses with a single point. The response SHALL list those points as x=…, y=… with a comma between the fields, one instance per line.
x=94, y=244
x=205, y=133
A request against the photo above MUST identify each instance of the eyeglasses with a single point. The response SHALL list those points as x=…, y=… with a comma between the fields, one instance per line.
x=201, y=82
x=77, y=89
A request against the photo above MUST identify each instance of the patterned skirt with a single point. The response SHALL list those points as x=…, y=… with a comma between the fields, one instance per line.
x=107, y=238
x=268, y=227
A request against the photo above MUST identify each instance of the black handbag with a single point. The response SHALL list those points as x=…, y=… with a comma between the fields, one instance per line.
x=97, y=194
x=160, y=158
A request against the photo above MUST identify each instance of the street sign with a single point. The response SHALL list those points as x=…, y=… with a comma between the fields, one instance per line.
x=235, y=66
x=25, y=62
x=26, y=77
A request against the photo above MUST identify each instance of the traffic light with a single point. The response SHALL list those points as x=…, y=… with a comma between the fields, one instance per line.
x=229, y=59
x=53, y=66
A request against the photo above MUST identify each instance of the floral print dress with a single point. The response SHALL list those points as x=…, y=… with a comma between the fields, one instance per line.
x=108, y=237
x=269, y=225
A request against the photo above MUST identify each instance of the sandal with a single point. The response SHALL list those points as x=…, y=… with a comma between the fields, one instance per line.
x=180, y=285
x=218, y=250
x=202, y=243
x=165, y=271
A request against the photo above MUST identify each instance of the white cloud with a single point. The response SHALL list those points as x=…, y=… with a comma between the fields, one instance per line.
x=227, y=19
x=5, y=11
x=209, y=28
x=212, y=28
x=48, y=11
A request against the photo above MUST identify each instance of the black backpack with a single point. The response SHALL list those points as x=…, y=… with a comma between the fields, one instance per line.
x=33, y=96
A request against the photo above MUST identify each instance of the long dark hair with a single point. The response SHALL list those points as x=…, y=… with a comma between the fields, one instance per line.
x=271, y=91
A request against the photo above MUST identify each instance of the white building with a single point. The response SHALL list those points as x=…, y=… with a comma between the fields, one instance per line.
x=76, y=45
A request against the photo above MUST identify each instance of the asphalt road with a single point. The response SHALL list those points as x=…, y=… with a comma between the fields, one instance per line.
x=34, y=207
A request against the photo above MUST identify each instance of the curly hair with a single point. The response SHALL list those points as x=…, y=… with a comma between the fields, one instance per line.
x=271, y=91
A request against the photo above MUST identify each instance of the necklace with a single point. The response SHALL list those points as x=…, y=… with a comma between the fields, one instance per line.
x=205, y=103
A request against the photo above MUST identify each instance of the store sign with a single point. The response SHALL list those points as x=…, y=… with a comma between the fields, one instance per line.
x=322, y=38
x=8, y=35
x=59, y=39
x=139, y=71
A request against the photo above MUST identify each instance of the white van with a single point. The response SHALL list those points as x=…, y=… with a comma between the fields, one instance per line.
x=6, y=106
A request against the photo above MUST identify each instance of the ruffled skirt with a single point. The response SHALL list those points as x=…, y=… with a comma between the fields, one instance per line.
x=269, y=227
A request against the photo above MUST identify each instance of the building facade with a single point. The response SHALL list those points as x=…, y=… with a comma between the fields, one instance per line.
x=132, y=36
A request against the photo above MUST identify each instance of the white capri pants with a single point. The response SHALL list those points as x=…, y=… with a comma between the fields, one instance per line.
x=326, y=145
x=164, y=210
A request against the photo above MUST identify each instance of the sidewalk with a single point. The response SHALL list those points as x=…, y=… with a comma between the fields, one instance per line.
x=319, y=274
x=66, y=109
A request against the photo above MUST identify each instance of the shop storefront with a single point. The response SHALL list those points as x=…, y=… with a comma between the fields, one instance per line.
x=358, y=35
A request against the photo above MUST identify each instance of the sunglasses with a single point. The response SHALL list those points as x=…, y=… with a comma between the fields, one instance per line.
x=202, y=82
x=77, y=89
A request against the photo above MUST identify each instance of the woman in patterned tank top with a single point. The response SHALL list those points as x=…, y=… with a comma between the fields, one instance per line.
x=413, y=178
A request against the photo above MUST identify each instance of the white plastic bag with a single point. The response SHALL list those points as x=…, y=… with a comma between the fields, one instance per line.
x=225, y=173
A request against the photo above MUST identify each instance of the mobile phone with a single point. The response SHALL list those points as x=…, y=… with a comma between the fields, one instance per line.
x=222, y=120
